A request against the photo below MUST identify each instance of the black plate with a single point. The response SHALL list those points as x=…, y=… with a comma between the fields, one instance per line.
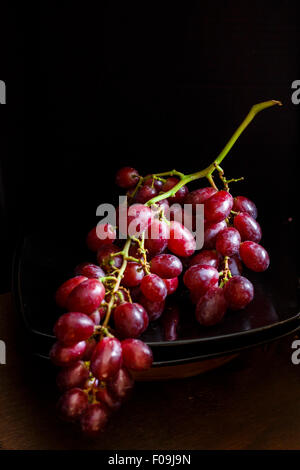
x=42, y=262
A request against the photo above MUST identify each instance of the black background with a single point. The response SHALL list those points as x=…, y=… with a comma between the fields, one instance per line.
x=153, y=85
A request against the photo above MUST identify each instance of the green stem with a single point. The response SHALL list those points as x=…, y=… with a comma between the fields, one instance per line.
x=125, y=252
x=207, y=172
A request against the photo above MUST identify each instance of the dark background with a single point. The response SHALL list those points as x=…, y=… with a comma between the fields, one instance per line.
x=151, y=85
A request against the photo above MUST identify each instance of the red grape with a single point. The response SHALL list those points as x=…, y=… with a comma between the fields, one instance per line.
x=200, y=278
x=97, y=315
x=134, y=251
x=89, y=270
x=130, y=320
x=106, y=261
x=139, y=217
x=235, y=265
x=121, y=384
x=243, y=204
x=145, y=193
x=127, y=177
x=171, y=285
x=107, y=358
x=150, y=181
x=156, y=240
x=73, y=327
x=238, y=292
x=73, y=376
x=166, y=266
x=228, y=241
x=248, y=227
x=154, y=309
x=170, y=321
x=62, y=355
x=107, y=399
x=66, y=288
x=94, y=419
x=136, y=354
x=91, y=343
x=218, y=206
x=211, y=231
x=135, y=292
x=101, y=235
x=199, y=196
x=153, y=287
x=180, y=194
x=211, y=307
x=133, y=275
x=72, y=404
x=86, y=297
x=254, y=256
x=181, y=241
x=208, y=257
x=163, y=205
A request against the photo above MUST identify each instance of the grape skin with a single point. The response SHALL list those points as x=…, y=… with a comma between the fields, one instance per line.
x=254, y=256
x=199, y=196
x=136, y=355
x=106, y=261
x=171, y=285
x=66, y=288
x=228, y=241
x=153, y=308
x=248, y=227
x=243, y=204
x=121, y=384
x=181, y=241
x=73, y=327
x=238, y=292
x=156, y=239
x=101, y=235
x=166, y=266
x=94, y=420
x=218, y=206
x=208, y=257
x=211, y=307
x=154, y=288
x=86, y=297
x=211, y=231
x=73, y=376
x=107, y=358
x=133, y=275
x=72, y=404
x=62, y=355
x=89, y=270
x=107, y=399
x=127, y=177
x=130, y=319
x=180, y=195
x=200, y=278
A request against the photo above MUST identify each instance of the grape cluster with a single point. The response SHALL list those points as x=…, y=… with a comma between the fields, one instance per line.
x=110, y=304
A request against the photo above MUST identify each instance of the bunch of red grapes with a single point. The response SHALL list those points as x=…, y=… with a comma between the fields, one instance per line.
x=110, y=304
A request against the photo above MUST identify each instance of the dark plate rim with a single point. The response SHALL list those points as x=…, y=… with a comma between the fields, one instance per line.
x=203, y=357
x=17, y=296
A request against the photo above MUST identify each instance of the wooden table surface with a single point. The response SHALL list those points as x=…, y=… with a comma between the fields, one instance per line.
x=251, y=403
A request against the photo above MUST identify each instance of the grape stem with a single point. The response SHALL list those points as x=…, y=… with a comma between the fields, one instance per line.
x=207, y=172
x=118, y=281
